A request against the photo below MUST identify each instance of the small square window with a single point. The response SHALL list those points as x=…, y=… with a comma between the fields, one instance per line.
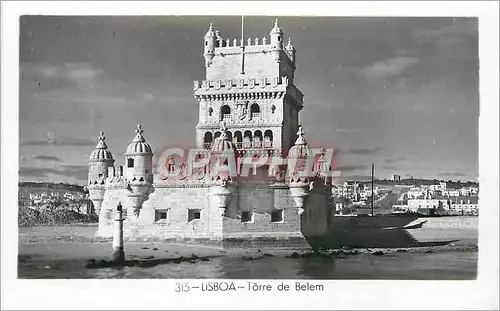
x=277, y=215
x=246, y=216
x=130, y=162
x=161, y=215
x=194, y=214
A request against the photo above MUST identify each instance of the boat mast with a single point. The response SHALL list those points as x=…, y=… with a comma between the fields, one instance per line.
x=373, y=168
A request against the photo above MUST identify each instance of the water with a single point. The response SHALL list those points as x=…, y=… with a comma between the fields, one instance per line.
x=409, y=266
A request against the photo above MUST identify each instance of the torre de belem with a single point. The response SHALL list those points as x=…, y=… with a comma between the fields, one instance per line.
x=248, y=111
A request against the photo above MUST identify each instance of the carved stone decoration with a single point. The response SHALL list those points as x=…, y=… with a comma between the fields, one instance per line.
x=275, y=81
x=242, y=110
x=229, y=84
x=218, y=84
x=205, y=85
x=240, y=83
x=263, y=82
x=251, y=83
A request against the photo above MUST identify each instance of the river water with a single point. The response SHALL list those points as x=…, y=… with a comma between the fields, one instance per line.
x=409, y=266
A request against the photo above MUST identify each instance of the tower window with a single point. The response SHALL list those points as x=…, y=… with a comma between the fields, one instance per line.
x=161, y=215
x=277, y=215
x=225, y=112
x=100, y=175
x=210, y=111
x=194, y=213
x=246, y=216
x=130, y=162
x=255, y=111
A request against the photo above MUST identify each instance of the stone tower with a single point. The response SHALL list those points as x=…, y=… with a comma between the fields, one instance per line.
x=249, y=86
x=138, y=170
x=99, y=162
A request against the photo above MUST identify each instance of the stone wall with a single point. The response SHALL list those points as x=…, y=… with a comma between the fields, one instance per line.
x=261, y=201
x=228, y=65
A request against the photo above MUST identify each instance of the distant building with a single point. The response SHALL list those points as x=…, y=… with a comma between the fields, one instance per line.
x=396, y=177
x=465, y=205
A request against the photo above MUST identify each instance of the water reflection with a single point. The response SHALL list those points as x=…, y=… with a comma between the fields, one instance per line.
x=364, y=266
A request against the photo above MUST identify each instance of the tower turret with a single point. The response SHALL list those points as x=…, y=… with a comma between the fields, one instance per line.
x=139, y=165
x=277, y=36
x=138, y=158
x=210, y=43
x=299, y=182
x=291, y=50
x=100, y=160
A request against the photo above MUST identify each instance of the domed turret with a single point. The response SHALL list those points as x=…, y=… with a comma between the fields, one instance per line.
x=322, y=168
x=291, y=50
x=300, y=149
x=223, y=156
x=101, y=151
x=297, y=160
x=224, y=169
x=138, y=157
x=100, y=160
x=139, y=166
x=210, y=43
x=222, y=143
x=277, y=36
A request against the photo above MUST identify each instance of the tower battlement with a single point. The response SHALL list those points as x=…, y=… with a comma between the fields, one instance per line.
x=244, y=83
x=226, y=58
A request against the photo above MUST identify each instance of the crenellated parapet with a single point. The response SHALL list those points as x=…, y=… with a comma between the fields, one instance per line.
x=268, y=83
x=116, y=177
x=247, y=89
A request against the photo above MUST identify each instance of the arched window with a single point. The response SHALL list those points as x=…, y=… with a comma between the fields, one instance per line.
x=247, y=140
x=238, y=139
x=217, y=135
x=210, y=111
x=268, y=139
x=225, y=112
x=208, y=140
x=257, y=139
x=254, y=111
x=229, y=135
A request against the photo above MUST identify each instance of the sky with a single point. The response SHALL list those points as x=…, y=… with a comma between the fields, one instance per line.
x=401, y=93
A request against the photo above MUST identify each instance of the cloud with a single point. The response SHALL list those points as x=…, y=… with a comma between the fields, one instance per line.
x=67, y=141
x=456, y=40
x=77, y=73
x=81, y=83
x=394, y=160
x=46, y=158
x=362, y=151
x=452, y=174
x=350, y=168
x=73, y=171
x=390, y=167
x=388, y=68
x=460, y=27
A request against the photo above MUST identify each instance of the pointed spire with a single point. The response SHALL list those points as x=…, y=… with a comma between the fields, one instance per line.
x=300, y=140
x=289, y=45
x=101, y=144
x=276, y=28
x=138, y=136
x=210, y=32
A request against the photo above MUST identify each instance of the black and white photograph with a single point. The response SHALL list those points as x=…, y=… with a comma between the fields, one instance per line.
x=253, y=154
